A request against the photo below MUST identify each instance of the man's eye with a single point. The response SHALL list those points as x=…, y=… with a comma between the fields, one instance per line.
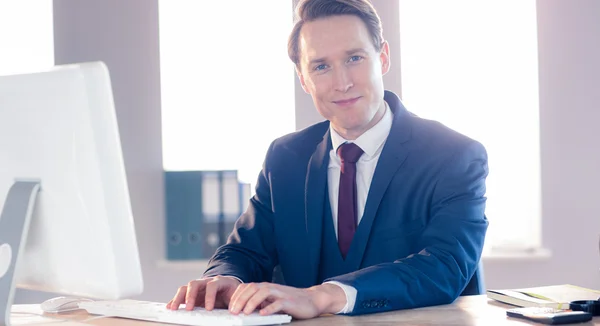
x=320, y=67
x=355, y=58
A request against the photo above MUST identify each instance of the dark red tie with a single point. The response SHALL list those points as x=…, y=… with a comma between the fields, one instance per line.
x=349, y=154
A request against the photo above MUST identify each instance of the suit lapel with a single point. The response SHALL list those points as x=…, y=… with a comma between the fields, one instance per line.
x=392, y=156
x=315, y=188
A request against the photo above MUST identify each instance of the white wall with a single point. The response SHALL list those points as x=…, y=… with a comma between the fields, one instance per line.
x=124, y=34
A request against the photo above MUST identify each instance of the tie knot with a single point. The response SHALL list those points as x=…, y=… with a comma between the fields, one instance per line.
x=349, y=152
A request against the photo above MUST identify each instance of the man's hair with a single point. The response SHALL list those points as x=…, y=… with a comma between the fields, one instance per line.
x=310, y=10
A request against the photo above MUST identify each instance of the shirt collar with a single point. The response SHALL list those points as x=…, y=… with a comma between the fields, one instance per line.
x=372, y=140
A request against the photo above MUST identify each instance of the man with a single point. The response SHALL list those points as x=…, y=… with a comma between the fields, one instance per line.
x=372, y=210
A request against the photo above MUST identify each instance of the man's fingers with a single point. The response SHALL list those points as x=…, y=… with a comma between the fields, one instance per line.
x=241, y=295
x=248, y=292
x=212, y=290
x=240, y=289
x=192, y=293
x=259, y=297
x=265, y=303
x=178, y=299
x=275, y=307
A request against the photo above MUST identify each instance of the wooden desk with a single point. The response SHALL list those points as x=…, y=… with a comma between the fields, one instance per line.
x=466, y=311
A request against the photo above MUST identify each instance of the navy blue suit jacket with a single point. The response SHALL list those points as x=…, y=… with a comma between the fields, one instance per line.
x=419, y=241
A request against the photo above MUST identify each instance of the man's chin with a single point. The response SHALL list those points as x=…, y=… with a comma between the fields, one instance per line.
x=347, y=128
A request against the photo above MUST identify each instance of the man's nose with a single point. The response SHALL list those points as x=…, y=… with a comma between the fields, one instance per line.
x=342, y=80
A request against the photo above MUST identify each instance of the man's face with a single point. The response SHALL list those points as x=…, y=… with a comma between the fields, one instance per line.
x=342, y=71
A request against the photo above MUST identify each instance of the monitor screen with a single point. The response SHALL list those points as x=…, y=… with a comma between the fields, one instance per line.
x=58, y=129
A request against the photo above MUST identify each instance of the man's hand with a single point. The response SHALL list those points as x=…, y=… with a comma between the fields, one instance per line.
x=210, y=293
x=299, y=303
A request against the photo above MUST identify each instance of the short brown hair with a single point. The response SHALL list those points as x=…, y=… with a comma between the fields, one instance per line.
x=310, y=10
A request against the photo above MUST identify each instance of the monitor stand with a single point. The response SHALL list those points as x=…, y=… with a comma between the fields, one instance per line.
x=14, y=225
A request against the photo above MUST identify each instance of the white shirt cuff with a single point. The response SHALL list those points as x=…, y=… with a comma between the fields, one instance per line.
x=350, y=297
x=234, y=277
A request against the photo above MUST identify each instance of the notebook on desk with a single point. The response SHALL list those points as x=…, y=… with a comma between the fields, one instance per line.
x=554, y=296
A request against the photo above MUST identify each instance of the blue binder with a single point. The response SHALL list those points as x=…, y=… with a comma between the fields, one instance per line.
x=201, y=210
x=220, y=208
x=183, y=194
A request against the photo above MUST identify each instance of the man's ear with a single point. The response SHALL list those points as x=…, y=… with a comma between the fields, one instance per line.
x=384, y=56
x=301, y=78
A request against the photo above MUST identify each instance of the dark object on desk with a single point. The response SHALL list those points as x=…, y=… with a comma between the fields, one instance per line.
x=549, y=316
x=591, y=306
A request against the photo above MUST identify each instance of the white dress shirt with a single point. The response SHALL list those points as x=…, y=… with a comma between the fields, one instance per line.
x=371, y=142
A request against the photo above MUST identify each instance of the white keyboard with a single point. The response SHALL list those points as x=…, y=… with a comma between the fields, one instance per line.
x=157, y=312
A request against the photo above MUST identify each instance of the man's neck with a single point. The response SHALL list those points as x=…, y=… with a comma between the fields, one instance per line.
x=354, y=134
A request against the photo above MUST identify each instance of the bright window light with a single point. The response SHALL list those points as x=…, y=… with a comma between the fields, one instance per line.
x=227, y=83
x=472, y=65
x=26, y=36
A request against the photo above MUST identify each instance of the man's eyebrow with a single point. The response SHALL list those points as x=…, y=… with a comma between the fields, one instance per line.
x=352, y=51
x=315, y=61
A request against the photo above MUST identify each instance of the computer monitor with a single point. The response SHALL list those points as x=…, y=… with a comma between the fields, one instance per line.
x=59, y=140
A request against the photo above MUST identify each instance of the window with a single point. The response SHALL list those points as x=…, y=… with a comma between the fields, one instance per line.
x=472, y=65
x=227, y=83
x=26, y=36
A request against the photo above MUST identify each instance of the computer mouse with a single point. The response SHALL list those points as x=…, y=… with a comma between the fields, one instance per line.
x=61, y=304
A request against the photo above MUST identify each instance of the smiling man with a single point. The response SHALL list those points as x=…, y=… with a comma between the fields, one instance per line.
x=374, y=209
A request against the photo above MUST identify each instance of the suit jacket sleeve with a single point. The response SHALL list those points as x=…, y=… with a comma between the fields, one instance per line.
x=250, y=253
x=450, y=246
